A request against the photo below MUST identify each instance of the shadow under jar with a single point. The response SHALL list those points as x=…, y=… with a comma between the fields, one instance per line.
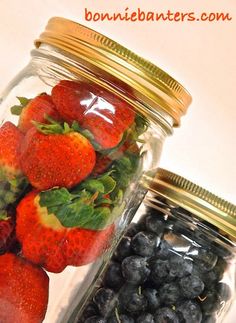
x=175, y=263
x=80, y=126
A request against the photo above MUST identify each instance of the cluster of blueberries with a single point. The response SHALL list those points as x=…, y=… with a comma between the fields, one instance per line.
x=162, y=271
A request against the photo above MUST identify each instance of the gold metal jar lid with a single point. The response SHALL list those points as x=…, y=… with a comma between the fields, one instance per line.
x=204, y=204
x=155, y=87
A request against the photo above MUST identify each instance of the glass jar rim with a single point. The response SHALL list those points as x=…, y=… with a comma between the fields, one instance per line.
x=195, y=199
x=154, y=85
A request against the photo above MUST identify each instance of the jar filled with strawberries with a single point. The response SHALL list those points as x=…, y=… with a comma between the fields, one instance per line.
x=80, y=126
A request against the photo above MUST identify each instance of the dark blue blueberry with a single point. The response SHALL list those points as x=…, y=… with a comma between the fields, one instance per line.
x=105, y=300
x=208, y=319
x=132, y=230
x=155, y=224
x=95, y=319
x=125, y=292
x=123, y=249
x=163, y=251
x=136, y=303
x=210, y=302
x=170, y=293
x=135, y=269
x=166, y=315
x=90, y=310
x=180, y=267
x=189, y=312
x=210, y=278
x=203, y=258
x=159, y=270
x=144, y=243
x=224, y=291
x=120, y=318
x=191, y=286
x=222, y=250
x=113, y=277
x=153, y=300
x=220, y=268
x=145, y=318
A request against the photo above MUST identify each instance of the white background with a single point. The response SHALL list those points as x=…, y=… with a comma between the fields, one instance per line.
x=202, y=56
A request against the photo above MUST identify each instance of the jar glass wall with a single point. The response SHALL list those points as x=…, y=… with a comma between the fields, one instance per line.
x=169, y=265
x=75, y=141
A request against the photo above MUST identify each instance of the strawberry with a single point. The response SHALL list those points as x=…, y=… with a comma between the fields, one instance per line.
x=23, y=291
x=36, y=110
x=57, y=228
x=72, y=99
x=12, y=181
x=10, y=138
x=55, y=156
x=102, y=164
x=7, y=236
x=95, y=109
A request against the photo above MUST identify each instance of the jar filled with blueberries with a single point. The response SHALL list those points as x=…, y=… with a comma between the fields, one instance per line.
x=174, y=264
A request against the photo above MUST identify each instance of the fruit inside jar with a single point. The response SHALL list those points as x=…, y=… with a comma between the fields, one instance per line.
x=67, y=167
x=168, y=267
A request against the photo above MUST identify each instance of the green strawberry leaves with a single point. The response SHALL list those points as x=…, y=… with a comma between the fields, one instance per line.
x=53, y=127
x=86, y=206
x=17, y=109
x=87, y=134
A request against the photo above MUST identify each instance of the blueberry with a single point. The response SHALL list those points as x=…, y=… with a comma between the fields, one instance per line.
x=132, y=230
x=220, y=268
x=135, y=269
x=123, y=249
x=204, y=258
x=191, y=286
x=177, y=243
x=166, y=315
x=224, y=291
x=163, y=251
x=208, y=319
x=125, y=292
x=180, y=267
x=95, y=319
x=155, y=224
x=145, y=318
x=170, y=293
x=120, y=318
x=222, y=250
x=189, y=312
x=153, y=301
x=210, y=302
x=113, y=277
x=159, y=270
x=136, y=303
x=105, y=300
x=209, y=278
x=90, y=310
x=144, y=243
x=126, y=319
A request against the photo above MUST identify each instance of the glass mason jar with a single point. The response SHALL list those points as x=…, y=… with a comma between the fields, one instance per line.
x=175, y=263
x=81, y=124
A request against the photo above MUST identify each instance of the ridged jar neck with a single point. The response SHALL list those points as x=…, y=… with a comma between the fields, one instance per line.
x=53, y=65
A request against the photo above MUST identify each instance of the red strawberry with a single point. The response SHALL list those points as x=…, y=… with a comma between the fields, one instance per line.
x=7, y=237
x=72, y=99
x=23, y=291
x=12, y=181
x=56, y=159
x=102, y=164
x=36, y=110
x=10, y=139
x=96, y=109
x=45, y=241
